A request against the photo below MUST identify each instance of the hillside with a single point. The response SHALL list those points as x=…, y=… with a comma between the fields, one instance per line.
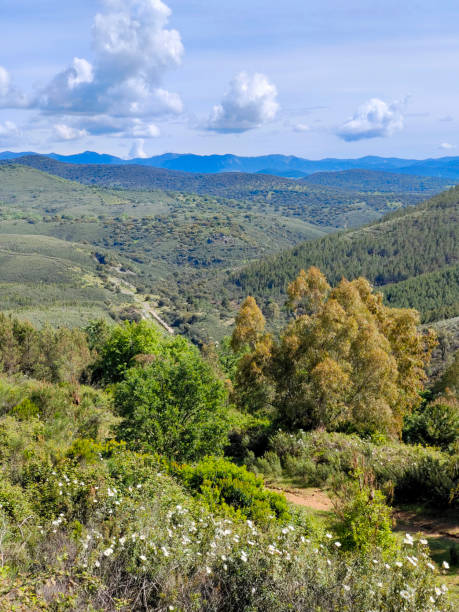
x=376, y=181
x=412, y=255
x=324, y=205
x=159, y=243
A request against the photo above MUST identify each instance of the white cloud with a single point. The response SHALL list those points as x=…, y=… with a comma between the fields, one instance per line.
x=137, y=149
x=447, y=146
x=80, y=72
x=8, y=128
x=131, y=38
x=10, y=97
x=249, y=103
x=132, y=50
x=65, y=132
x=374, y=119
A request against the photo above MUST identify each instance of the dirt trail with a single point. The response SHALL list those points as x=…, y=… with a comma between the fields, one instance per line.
x=445, y=526
x=316, y=499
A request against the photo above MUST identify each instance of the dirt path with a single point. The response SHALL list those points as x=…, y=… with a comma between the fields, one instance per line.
x=316, y=499
x=434, y=526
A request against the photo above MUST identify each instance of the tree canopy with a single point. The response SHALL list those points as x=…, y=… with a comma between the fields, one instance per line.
x=345, y=360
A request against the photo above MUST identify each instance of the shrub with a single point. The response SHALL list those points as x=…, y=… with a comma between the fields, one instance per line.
x=435, y=424
x=223, y=485
x=364, y=519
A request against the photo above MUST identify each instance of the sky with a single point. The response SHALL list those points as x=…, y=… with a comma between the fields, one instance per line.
x=312, y=78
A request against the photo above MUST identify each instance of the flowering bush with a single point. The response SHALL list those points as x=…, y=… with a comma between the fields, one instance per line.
x=411, y=473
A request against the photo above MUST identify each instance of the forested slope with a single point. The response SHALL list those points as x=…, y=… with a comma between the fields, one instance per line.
x=414, y=253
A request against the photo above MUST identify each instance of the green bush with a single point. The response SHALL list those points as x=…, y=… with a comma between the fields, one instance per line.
x=364, y=519
x=175, y=406
x=435, y=424
x=223, y=485
x=411, y=473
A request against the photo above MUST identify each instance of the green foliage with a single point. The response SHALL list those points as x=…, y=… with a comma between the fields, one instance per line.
x=174, y=406
x=364, y=519
x=412, y=474
x=121, y=348
x=54, y=355
x=223, y=485
x=434, y=424
x=417, y=246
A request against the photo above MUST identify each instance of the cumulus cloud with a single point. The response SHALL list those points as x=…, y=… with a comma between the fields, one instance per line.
x=133, y=48
x=108, y=125
x=65, y=132
x=374, y=119
x=447, y=146
x=249, y=103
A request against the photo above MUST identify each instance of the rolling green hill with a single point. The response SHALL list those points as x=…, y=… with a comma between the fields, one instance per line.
x=413, y=255
x=55, y=232
x=326, y=205
x=47, y=280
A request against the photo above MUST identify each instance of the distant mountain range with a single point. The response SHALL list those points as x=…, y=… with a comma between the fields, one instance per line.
x=278, y=165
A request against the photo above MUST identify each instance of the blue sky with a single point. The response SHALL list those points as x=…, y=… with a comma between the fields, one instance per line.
x=310, y=78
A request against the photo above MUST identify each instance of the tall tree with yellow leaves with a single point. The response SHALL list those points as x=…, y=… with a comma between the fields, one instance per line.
x=344, y=361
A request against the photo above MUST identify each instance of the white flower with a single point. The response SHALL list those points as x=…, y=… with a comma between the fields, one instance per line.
x=445, y=564
x=399, y=564
x=423, y=541
x=165, y=551
x=338, y=544
x=208, y=570
x=143, y=558
x=244, y=556
x=329, y=536
x=97, y=564
x=108, y=552
x=431, y=566
x=404, y=594
x=346, y=587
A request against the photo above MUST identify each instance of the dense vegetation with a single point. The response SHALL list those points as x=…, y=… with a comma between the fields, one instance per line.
x=375, y=181
x=324, y=205
x=115, y=493
x=412, y=255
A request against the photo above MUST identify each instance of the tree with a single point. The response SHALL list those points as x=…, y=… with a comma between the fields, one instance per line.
x=344, y=361
x=250, y=323
x=123, y=344
x=175, y=406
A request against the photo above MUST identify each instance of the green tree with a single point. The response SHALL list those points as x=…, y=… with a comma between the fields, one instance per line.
x=174, y=405
x=124, y=344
